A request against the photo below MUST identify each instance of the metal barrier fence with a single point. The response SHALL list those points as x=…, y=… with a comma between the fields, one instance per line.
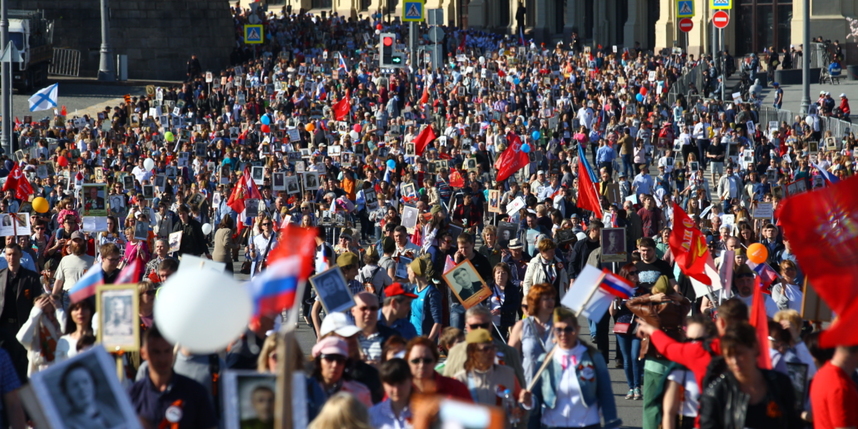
x=837, y=127
x=683, y=83
x=65, y=62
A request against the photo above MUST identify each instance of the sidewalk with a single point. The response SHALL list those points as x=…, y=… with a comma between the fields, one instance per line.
x=793, y=94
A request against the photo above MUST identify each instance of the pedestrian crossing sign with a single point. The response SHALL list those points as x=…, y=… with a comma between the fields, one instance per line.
x=721, y=4
x=684, y=8
x=413, y=11
x=253, y=34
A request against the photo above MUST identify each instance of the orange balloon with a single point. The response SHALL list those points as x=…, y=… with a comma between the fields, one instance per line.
x=757, y=253
x=310, y=127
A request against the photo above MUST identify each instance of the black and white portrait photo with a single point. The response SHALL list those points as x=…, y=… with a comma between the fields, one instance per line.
x=506, y=232
x=332, y=290
x=290, y=183
x=172, y=172
x=117, y=205
x=467, y=284
x=311, y=181
x=409, y=217
x=80, y=393
x=200, y=150
x=614, y=245
x=128, y=182
x=258, y=174
x=251, y=207
x=371, y=199
x=148, y=192
x=335, y=150
x=278, y=182
x=410, y=150
x=248, y=399
x=116, y=309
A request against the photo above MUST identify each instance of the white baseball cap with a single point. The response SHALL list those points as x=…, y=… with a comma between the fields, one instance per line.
x=339, y=324
x=843, y=95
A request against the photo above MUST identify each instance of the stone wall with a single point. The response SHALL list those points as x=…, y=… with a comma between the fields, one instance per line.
x=159, y=36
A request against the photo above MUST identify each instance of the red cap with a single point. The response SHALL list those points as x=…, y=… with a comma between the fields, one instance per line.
x=396, y=289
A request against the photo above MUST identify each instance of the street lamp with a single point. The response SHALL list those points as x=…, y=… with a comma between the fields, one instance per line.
x=106, y=70
x=805, y=61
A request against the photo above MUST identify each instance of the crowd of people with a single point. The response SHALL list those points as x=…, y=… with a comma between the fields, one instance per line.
x=398, y=172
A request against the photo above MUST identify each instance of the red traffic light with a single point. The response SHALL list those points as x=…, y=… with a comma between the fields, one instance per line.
x=387, y=41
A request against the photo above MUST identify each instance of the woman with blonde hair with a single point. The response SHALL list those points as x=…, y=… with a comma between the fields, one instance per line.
x=534, y=335
x=342, y=410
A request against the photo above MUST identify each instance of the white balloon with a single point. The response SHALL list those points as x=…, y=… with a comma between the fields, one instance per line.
x=207, y=228
x=354, y=135
x=202, y=310
x=148, y=164
x=809, y=120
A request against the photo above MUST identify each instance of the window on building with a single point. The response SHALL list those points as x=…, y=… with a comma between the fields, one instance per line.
x=321, y=4
x=762, y=24
x=364, y=4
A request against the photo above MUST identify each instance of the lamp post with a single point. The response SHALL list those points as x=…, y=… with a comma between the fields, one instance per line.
x=106, y=70
x=805, y=61
x=5, y=83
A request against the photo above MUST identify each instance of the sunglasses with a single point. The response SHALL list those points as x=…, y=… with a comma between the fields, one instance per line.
x=479, y=326
x=633, y=273
x=266, y=224
x=567, y=330
x=334, y=358
x=425, y=360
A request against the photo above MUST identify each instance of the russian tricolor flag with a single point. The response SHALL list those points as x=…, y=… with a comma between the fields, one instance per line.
x=85, y=287
x=343, y=64
x=827, y=175
x=289, y=264
x=521, y=36
x=617, y=286
x=766, y=273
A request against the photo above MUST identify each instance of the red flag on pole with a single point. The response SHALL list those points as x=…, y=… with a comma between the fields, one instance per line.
x=588, y=199
x=341, y=108
x=18, y=181
x=512, y=159
x=456, y=179
x=425, y=98
x=423, y=139
x=761, y=323
x=822, y=227
x=688, y=246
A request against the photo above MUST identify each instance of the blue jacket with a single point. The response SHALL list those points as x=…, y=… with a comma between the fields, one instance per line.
x=596, y=391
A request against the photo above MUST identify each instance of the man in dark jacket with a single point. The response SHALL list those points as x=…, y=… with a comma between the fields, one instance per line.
x=19, y=288
x=193, y=239
x=194, y=68
x=583, y=248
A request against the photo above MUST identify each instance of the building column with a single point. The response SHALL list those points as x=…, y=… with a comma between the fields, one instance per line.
x=665, y=27
x=571, y=20
x=541, y=32
x=512, y=25
x=636, y=25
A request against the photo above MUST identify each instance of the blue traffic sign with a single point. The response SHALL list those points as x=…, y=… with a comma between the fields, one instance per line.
x=684, y=9
x=252, y=34
x=413, y=11
x=721, y=4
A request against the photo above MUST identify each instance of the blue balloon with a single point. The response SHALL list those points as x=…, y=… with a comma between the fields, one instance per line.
x=391, y=164
x=266, y=120
x=525, y=148
x=536, y=135
x=516, y=81
x=639, y=98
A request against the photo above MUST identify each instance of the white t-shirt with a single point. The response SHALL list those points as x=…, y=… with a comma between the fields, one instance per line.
x=691, y=402
x=72, y=268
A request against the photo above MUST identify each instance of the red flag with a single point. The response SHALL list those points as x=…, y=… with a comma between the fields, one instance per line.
x=131, y=273
x=425, y=98
x=588, y=199
x=18, y=181
x=761, y=323
x=456, y=179
x=688, y=246
x=341, y=108
x=822, y=227
x=245, y=188
x=512, y=159
x=415, y=238
x=63, y=112
x=423, y=139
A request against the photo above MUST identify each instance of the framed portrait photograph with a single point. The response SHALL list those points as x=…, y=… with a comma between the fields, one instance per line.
x=257, y=173
x=117, y=307
x=494, y=201
x=141, y=231
x=311, y=181
x=196, y=201
x=614, y=245
x=251, y=207
x=694, y=166
x=402, y=267
x=148, y=191
x=506, y=232
x=116, y=204
x=335, y=150
x=160, y=181
x=290, y=185
x=813, y=147
x=796, y=187
x=42, y=171
x=248, y=399
x=94, y=201
x=409, y=218
x=410, y=149
x=371, y=199
x=407, y=189
x=772, y=175
x=562, y=236
x=175, y=241
x=278, y=181
x=332, y=290
x=440, y=165
x=12, y=224
x=63, y=395
x=455, y=229
x=466, y=284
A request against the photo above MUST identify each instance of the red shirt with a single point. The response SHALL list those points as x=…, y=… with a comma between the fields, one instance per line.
x=451, y=388
x=833, y=397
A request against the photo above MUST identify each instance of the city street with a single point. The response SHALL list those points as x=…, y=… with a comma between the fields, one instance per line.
x=77, y=94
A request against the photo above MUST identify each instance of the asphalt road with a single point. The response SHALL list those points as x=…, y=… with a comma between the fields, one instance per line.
x=74, y=95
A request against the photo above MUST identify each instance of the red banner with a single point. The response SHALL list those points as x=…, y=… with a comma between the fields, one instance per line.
x=341, y=108
x=688, y=245
x=423, y=139
x=512, y=159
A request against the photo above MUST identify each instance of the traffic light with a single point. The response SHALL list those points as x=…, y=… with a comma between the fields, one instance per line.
x=386, y=48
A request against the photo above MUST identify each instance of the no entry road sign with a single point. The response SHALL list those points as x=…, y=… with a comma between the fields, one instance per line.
x=686, y=24
x=720, y=19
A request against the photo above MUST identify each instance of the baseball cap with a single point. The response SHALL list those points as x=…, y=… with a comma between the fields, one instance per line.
x=76, y=234
x=775, y=84
x=540, y=172
x=339, y=324
x=396, y=289
x=843, y=95
x=622, y=174
x=331, y=346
